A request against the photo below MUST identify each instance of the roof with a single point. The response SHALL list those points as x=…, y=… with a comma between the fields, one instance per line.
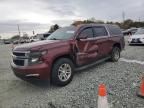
x=92, y=24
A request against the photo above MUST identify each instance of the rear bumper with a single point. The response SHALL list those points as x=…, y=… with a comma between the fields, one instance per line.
x=40, y=71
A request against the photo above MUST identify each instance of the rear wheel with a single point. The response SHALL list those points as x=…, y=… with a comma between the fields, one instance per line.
x=115, y=55
x=62, y=72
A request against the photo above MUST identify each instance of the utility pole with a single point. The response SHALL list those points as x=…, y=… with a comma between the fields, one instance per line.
x=123, y=16
x=139, y=19
x=33, y=32
x=19, y=30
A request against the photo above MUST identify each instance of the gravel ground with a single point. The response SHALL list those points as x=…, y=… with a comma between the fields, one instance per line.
x=122, y=80
x=133, y=52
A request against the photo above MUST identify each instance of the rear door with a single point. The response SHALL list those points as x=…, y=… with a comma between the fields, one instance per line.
x=101, y=38
x=87, y=50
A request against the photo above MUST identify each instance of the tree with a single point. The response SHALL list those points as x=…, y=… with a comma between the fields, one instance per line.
x=15, y=37
x=128, y=23
x=75, y=23
x=54, y=28
x=88, y=21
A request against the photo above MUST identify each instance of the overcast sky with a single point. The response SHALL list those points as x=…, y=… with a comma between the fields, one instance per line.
x=38, y=15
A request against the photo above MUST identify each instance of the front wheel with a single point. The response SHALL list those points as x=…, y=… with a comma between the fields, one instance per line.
x=62, y=72
x=115, y=55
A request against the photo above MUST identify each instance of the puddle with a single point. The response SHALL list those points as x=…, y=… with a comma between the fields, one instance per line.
x=132, y=61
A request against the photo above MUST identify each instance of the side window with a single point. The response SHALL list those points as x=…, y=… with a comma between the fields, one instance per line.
x=100, y=31
x=87, y=32
x=114, y=30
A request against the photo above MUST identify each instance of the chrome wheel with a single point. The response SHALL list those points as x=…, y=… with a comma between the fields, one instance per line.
x=115, y=55
x=64, y=72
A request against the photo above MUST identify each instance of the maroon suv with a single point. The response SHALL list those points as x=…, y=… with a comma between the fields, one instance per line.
x=66, y=50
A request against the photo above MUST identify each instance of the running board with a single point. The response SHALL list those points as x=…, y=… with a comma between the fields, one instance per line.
x=92, y=64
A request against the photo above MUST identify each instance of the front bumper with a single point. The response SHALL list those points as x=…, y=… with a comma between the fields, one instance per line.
x=40, y=71
x=136, y=41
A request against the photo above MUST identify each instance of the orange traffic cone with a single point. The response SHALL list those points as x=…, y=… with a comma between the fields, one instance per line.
x=102, y=96
x=141, y=91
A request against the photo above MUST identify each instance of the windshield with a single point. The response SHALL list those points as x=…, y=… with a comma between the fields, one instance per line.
x=63, y=33
x=139, y=31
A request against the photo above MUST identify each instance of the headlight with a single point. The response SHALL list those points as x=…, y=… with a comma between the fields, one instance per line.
x=35, y=57
x=33, y=60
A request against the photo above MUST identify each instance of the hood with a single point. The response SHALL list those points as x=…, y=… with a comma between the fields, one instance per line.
x=138, y=36
x=40, y=45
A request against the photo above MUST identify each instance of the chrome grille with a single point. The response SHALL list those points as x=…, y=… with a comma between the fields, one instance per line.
x=18, y=53
x=20, y=58
x=137, y=40
x=19, y=62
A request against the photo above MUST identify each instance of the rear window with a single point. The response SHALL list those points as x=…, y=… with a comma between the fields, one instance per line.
x=114, y=30
x=100, y=31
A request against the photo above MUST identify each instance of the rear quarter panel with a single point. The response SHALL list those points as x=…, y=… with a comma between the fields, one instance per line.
x=117, y=39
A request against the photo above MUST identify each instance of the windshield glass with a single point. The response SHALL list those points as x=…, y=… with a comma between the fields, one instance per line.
x=63, y=33
x=139, y=31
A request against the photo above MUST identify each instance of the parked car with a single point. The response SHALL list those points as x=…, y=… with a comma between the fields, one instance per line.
x=7, y=41
x=1, y=41
x=15, y=41
x=27, y=40
x=137, y=38
x=43, y=36
x=34, y=39
x=67, y=50
x=130, y=31
x=22, y=41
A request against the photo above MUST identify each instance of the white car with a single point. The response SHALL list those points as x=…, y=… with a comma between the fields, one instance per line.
x=137, y=38
x=34, y=39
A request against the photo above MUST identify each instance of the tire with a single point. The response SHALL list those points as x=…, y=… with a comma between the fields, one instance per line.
x=61, y=76
x=130, y=44
x=115, y=55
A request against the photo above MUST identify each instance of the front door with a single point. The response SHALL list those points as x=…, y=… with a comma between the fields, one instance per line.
x=101, y=38
x=87, y=50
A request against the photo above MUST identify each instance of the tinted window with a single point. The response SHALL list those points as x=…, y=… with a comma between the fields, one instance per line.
x=87, y=32
x=114, y=30
x=100, y=31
